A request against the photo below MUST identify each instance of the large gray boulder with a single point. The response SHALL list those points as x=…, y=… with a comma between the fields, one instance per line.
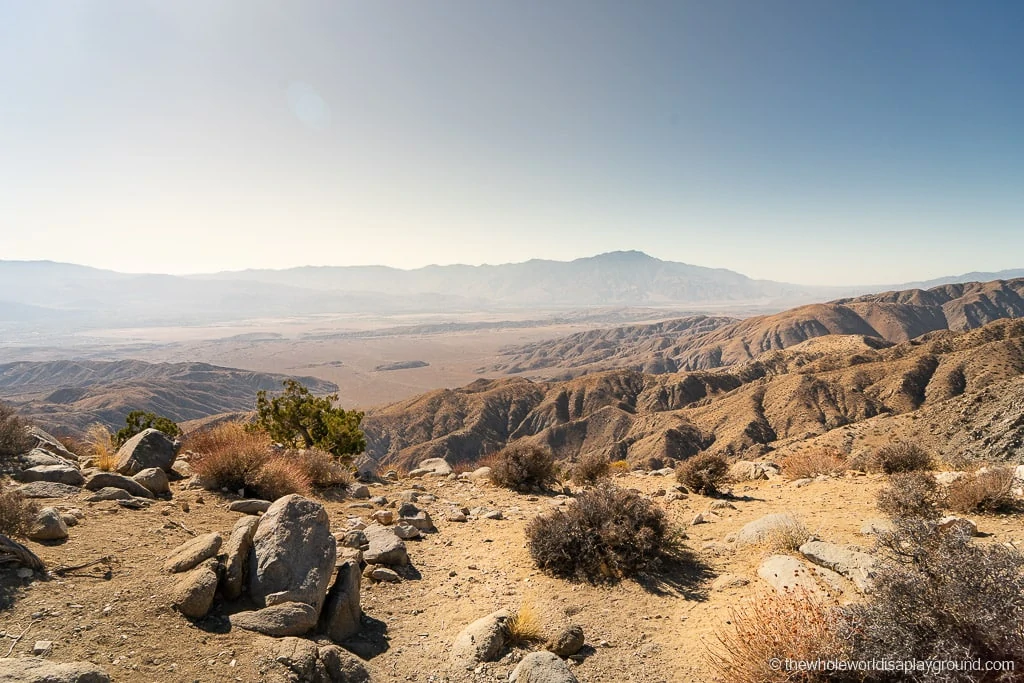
x=48, y=442
x=542, y=667
x=148, y=448
x=106, y=480
x=41, y=456
x=38, y=670
x=481, y=641
x=857, y=566
x=236, y=557
x=48, y=526
x=340, y=616
x=384, y=547
x=280, y=620
x=293, y=554
x=436, y=466
x=62, y=474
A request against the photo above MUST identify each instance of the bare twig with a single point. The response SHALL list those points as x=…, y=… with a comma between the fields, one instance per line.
x=16, y=640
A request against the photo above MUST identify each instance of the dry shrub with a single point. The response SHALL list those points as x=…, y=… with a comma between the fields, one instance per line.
x=16, y=512
x=590, y=470
x=940, y=596
x=322, y=469
x=524, y=467
x=704, y=473
x=619, y=467
x=606, y=534
x=524, y=628
x=279, y=476
x=14, y=440
x=910, y=494
x=778, y=627
x=990, y=490
x=810, y=464
x=899, y=456
x=100, y=447
x=228, y=455
x=786, y=538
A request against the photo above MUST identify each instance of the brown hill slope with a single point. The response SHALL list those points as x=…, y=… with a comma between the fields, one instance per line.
x=704, y=343
x=68, y=396
x=800, y=392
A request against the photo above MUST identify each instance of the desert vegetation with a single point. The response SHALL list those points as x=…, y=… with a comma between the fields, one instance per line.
x=910, y=494
x=704, y=473
x=140, y=420
x=812, y=463
x=13, y=439
x=988, y=490
x=899, y=456
x=524, y=467
x=16, y=512
x=299, y=419
x=606, y=534
x=590, y=469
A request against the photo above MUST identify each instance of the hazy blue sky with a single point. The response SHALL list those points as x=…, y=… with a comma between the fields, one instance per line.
x=814, y=141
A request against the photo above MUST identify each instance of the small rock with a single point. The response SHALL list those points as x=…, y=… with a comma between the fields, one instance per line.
x=481, y=641
x=567, y=642
x=961, y=524
x=384, y=517
x=249, y=506
x=339, y=618
x=406, y=531
x=236, y=557
x=381, y=574
x=359, y=491
x=542, y=667
x=728, y=582
x=154, y=479
x=192, y=594
x=42, y=647
x=48, y=525
x=190, y=553
x=282, y=619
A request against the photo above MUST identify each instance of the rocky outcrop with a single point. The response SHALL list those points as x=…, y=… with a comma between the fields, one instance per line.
x=155, y=480
x=236, y=557
x=542, y=667
x=38, y=670
x=293, y=554
x=148, y=448
x=481, y=641
x=788, y=575
x=191, y=553
x=341, y=613
x=761, y=529
x=855, y=565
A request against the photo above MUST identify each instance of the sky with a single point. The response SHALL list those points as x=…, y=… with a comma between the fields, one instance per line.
x=852, y=142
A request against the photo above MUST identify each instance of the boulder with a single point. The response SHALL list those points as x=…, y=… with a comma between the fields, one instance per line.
x=48, y=489
x=108, y=493
x=249, y=506
x=148, y=448
x=406, y=531
x=339, y=618
x=384, y=547
x=855, y=565
x=104, y=480
x=47, y=442
x=236, y=557
x=41, y=457
x=381, y=574
x=762, y=528
x=278, y=620
x=154, y=479
x=48, y=526
x=293, y=553
x=947, y=478
x=481, y=641
x=359, y=491
x=542, y=667
x=192, y=594
x=786, y=574
x=38, y=670
x=190, y=553
x=299, y=655
x=436, y=466
x=62, y=474
x=567, y=641
x=342, y=666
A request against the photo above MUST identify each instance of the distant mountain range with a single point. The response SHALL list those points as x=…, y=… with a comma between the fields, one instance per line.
x=75, y=297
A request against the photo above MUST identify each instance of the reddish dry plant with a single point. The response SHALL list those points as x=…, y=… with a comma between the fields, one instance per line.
x=810, y=464
x=774, y=628
x=280, y=476
x=988, y=491
x=228, y=455
x=704, y=473
x=16, y=512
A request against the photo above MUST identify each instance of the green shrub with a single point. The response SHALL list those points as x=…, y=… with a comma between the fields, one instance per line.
x=299, y=419
x=606, y=534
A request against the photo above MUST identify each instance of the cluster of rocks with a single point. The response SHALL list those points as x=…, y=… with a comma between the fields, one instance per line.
x=487, y=640
x=141, y=472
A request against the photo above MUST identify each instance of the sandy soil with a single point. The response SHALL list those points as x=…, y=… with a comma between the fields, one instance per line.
x=657, y=629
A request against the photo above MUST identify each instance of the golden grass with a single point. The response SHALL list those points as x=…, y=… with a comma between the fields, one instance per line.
x=100, y=443
x=773, y=628
x=810, y=464
x=786, y=538
x=619, y=467
x=525, y=626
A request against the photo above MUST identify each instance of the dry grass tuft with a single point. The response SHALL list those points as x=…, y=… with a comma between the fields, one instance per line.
x=16, y=512
x=777, y=627
x=524, y=467
x=619, y=467
x=524, y=628
x=322, y=469
x=810, y=464
x=990, y=490
x=228, y=455
x=786, y=538
x=280, y=476
x=100, y=447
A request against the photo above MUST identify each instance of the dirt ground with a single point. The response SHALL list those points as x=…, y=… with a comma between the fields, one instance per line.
x=116, y=613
